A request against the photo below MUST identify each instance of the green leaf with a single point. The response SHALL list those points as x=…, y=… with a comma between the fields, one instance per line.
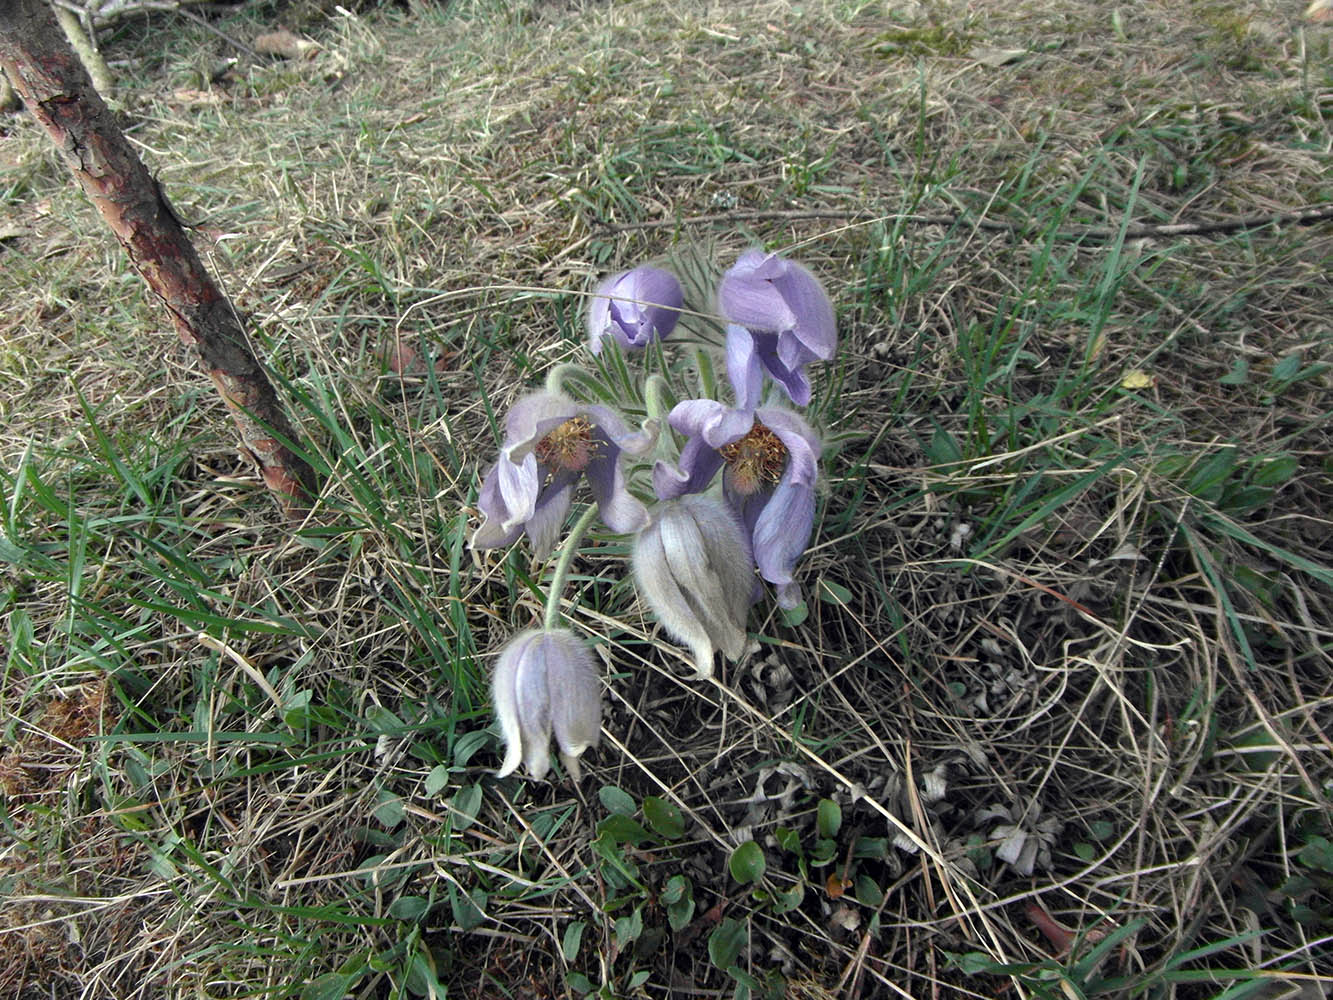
x=469, y=911
x=1274, y=472
x=791, y=617
x=330, y=986
x=788, y=900
x=788, y=839
x=572, y=940
x=468, y=744
x=747, y=863
x=465, y=806
x=437, y=779
x=664, y=818
x=409, y=907
x=390, y=810
x=1317, y=853
x=623, y=830
x=676, y=889
x=868, y=892
x=1239, y=374
x=1287, y=369
x=616, y=801
x=579, y=983
x=1101, y=829
x=681, y=913
x=628, y=929
x=726, y=942
x=834, y=593
x=829, y=818
x=1085, y=851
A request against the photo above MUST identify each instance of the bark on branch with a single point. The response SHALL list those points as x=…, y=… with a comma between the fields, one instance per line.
x=56, y=89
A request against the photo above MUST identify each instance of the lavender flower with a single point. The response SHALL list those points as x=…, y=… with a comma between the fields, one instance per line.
x=634, y=307
x=545, y=679
x=780, y=319
x=692, y=566
x=769, y=462
x=550, y=442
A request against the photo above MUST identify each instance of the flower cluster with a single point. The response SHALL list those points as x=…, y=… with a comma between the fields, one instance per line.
x=733, y=484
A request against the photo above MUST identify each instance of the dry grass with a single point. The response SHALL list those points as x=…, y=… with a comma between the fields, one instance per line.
x=1072, y=580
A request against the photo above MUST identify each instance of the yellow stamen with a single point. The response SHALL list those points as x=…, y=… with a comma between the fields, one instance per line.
x=755, y=461
x=569, y=447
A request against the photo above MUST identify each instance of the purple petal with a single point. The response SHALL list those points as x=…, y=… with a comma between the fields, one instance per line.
x=635, y=443
x=531, y=418
x=619, y=509
x=743, y=367
x=504, y=696
x=543, y=527
x=815, y=326
x=576, y=695
x=717, y=423
x=791, y=377
x=634, y=307
x=493, y=532
x=781, y=530
x=752, y=301
x=519, y=486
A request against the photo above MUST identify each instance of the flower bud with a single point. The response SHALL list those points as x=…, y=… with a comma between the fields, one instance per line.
x=634, y=307
x=546, y=680
x=693, y=567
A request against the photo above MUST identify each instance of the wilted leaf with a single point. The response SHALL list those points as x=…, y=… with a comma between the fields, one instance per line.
x=835, y=885
x=1136, y=379
x=995, y=58
x=285, y=44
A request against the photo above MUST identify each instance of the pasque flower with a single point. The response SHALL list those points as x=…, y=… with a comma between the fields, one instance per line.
x=692, y=566
x=634, y=307
x=551, y=442
x=779, y=320
x=769, y=462
x=545, y=680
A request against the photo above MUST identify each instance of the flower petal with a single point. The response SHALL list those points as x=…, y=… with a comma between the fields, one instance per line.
x=493, y=532
x=816, y=325
x=549, y=516
x=576, y=702
x=620, y=510
x=504, y=696
x=660, y=591
x=531, y=418
x=743, y=368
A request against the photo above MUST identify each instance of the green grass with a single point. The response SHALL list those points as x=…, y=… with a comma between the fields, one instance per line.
x=1072, y=573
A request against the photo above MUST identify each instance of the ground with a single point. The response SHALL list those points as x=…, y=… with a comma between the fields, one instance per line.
x=1054, y=720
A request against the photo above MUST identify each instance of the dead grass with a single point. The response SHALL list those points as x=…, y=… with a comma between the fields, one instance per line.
x=1071, y=587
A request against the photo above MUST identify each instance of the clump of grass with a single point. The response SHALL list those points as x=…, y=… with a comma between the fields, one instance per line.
x=1054, y=719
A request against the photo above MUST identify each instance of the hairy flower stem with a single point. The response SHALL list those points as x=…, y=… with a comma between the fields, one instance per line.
x=552, y=617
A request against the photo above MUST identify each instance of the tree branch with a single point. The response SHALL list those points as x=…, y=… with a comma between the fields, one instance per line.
x=57, y=91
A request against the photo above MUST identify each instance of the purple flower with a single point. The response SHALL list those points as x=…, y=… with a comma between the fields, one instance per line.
x=692, y=566
x=550, y=442
x=780, y=319
x=634, y=307
x=545, y=679
x=769, y=462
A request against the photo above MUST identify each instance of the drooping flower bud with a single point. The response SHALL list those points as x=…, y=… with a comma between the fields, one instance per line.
x=692, y=566
x=634, y=307
x=780, y=319
x=546, y=680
